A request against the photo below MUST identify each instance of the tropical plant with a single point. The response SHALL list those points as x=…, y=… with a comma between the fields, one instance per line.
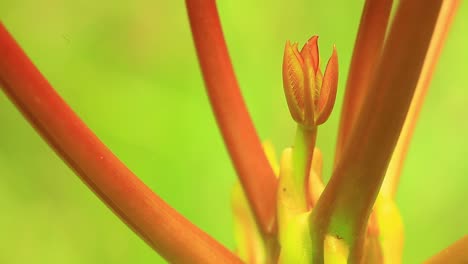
x=284, y=213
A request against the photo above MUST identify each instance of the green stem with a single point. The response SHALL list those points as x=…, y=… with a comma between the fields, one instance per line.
x=302, y=156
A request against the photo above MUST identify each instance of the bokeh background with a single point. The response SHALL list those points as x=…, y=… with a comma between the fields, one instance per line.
x=128, y=68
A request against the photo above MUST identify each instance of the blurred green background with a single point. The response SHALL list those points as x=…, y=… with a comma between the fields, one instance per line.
x=128, y=68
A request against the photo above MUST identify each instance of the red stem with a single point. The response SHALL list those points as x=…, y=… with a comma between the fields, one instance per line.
x=345, y=205
x=240, y=137
x=446, y=16
x=366, y=55
x=165, y=230
x=455, y=253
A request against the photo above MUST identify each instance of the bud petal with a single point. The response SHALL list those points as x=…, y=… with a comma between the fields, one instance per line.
x=310, y=94
x=328, y=89
x=293, y=81
x=310, y=54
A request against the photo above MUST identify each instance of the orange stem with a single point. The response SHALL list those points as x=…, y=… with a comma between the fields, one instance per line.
x=244, y=146
x=447, y=13
x=165, y=230
x=346, y=203
x=455, y=253
x=366, y=55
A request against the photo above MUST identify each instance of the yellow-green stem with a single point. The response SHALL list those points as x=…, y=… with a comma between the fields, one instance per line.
x=302, y=156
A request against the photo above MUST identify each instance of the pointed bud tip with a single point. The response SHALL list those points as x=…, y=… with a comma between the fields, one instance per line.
x=310, y=96
x=293, y=81
x=310, y=53
x=328, y=90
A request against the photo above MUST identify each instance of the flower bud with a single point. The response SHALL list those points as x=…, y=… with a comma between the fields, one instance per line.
x=309, y=94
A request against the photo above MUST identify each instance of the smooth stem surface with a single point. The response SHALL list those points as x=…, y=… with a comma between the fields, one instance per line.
x=302, y=155
x=345, y=205
x=446, y=16
x=244, y=146
x=455, y=253
x=165, y=230
x=366, y=55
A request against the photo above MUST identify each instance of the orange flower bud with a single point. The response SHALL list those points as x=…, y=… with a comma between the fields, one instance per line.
x=309, y=94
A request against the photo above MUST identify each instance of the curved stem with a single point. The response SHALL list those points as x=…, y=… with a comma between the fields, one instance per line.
x=346, y=203
x=447, y=13
x=455, y=253
x=240, y=137
x=165, y=230
x=366, y=55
